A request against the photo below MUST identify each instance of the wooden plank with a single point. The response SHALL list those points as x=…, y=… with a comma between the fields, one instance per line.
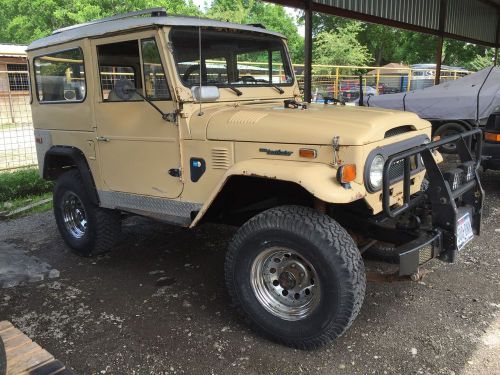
x=25, y=357
x=35, y=359
x=53, y=367
x=9, y=334
x=16, y=343
x=23, y=353
x=4, y=325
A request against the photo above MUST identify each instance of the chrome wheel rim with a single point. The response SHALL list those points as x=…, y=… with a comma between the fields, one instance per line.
x=285, y=283
x=74, y=216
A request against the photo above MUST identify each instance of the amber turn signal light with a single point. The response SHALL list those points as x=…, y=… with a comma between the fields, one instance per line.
x=346, y=173
x=492, y=137
x=308, y=153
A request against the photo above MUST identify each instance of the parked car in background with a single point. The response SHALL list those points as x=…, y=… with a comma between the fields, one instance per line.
x=453, y=107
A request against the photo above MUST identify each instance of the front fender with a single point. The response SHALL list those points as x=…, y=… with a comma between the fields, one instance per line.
x=317, y=178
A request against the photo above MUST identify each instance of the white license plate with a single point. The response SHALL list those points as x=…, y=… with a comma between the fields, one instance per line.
x=464, y=231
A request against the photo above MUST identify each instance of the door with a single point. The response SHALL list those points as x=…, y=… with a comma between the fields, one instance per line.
x=137, y=148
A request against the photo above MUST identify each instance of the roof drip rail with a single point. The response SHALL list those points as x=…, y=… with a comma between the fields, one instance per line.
x=152, y=12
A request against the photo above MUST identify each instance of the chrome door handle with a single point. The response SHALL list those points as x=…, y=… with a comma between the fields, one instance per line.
x=102, y=139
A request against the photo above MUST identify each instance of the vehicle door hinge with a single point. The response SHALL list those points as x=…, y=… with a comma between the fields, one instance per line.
x=170, y=117
x=175, y=172
x=102, y=139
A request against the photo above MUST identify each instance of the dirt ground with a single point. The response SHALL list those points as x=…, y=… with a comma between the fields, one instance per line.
x=111, y=315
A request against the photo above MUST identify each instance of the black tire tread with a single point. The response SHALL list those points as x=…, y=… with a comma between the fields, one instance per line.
x=318, y=228
x=107, y=222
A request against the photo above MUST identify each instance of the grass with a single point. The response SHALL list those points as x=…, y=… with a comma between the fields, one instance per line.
x=9, y=126
x=14, y=204
x=23, y=187
x=21, y=184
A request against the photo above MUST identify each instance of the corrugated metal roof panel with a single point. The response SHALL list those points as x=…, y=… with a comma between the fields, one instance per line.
x=471, y=19
x=423, y=13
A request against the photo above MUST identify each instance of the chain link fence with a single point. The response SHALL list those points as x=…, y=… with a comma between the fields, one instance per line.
x=343, y=82
x=17, y=144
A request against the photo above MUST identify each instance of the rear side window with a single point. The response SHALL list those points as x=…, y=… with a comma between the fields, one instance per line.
x=60, y=77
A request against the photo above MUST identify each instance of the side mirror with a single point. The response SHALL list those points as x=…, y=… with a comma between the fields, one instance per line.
x=205, y=93
x=124, y=89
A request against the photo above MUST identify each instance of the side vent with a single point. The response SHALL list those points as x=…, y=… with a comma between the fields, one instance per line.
x=220, y=158
x=399, y=130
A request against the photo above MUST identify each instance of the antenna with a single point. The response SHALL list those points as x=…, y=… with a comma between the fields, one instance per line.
x=200, y=113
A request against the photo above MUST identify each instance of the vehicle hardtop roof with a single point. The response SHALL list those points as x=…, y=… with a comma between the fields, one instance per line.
x=137, y=20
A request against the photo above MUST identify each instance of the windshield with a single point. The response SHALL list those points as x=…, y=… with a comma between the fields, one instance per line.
x=230, y=58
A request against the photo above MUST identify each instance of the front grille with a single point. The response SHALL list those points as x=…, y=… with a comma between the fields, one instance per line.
x=398, y=130
x=396, y=170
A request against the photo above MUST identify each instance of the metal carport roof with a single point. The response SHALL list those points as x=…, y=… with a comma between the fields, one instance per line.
x=474, y=21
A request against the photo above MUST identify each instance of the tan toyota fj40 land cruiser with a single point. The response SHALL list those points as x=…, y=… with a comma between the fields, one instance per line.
x=190, y=120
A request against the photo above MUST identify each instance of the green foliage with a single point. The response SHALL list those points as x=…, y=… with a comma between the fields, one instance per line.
x=17, y=203
x=21, y=184
x=341, y=47
x=482, y=61
x=26, y=20
x=387, y=44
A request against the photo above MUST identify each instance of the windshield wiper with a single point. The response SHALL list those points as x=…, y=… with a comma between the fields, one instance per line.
x=231, y=87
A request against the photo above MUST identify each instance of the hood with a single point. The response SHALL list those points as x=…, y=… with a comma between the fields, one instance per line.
x=316, y=125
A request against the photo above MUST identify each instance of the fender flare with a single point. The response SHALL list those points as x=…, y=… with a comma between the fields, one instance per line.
x=79, y=161
x=317, y=178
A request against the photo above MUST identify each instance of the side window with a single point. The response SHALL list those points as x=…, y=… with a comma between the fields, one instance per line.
x=155, y=82
x=60, y=76
x=119, y=61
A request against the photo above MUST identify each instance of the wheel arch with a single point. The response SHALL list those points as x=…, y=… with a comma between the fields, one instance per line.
x=307, y=182
x=59, y=159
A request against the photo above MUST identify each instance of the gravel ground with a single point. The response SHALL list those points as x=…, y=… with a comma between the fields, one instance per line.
x=157, y=305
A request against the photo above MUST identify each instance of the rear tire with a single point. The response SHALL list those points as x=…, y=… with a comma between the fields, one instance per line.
x=86, y=228
x=293, y=249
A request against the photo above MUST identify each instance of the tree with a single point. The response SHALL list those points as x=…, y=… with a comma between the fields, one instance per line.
x=482, y=61
x=341, y=47
x=272, y=16
x=381, y=41
x=26, y=20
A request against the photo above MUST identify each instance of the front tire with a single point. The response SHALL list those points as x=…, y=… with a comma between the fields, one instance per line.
x=296, y=275
x=86, y=228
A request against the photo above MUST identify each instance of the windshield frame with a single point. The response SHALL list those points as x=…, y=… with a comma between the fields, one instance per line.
x=285, y=57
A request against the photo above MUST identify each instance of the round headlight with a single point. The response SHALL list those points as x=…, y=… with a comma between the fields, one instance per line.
x=376, y=171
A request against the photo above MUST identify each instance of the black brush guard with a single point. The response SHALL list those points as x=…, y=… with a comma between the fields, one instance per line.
x=443, y=204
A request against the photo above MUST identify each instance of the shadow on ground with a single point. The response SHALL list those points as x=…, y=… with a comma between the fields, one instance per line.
x=111, y=314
